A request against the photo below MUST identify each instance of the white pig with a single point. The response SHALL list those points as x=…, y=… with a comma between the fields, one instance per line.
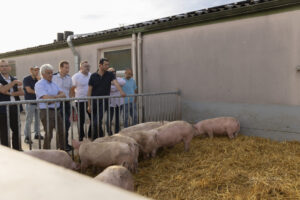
x=106, y=154
x=175, y=132
x=134, y=146
x=219, y=126
x=117, y=175
x=145, y=139
x=56, y=157
x=144, y=126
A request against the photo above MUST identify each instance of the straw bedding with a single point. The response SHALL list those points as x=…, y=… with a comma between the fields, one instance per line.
x=219, y=168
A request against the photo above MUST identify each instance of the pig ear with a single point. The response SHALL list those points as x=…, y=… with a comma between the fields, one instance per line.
x=76, y=144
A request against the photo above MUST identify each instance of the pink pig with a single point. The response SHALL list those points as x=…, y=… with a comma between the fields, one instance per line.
x=175, y=132
x=118, y=176
x=56, y=157
x=219, y=126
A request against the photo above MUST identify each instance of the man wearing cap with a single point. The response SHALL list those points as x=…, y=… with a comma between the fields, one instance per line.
x=10, y=91
x=31, y=109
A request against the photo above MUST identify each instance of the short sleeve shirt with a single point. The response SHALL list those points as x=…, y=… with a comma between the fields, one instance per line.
x=129, y=88
x=44, y=87
x=64, y=83
x=101, y=84
x=80, y=81
x=28, y=81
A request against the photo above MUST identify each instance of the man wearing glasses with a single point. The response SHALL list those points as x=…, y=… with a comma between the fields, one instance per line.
x=10, y=90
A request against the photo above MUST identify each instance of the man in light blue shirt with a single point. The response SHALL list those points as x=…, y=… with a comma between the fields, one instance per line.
x=129, y=103
x=63, y=80
x=46, y=89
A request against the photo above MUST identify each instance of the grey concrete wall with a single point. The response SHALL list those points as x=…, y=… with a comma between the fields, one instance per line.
x=244, y=68
x=87, y=52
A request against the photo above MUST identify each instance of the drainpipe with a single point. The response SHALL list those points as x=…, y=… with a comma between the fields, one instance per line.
x=139, y=70
x=139, y=63
x=75, y=53
x=133, y=55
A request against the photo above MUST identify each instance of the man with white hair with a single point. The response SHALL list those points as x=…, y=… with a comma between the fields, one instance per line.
x=10, y=90
x=46, y=89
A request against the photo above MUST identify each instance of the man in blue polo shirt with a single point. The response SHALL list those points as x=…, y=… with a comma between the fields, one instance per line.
x=130, y=106
x=31, y=109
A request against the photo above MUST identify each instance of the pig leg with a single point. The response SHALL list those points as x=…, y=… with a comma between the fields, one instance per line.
x=187, y=142
x=236, y=134
x=231, y=135
x=153, y=153
x=210, y=134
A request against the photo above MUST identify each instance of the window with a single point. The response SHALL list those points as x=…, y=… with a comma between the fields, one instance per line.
x=12, y=63
x=119, y=59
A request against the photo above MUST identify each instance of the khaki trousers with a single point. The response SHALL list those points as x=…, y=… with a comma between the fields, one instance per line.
x=60, y=141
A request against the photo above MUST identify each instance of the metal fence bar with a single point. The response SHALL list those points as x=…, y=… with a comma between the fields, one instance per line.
x=56, y=124
x=92, y=120
x=154, y=107
x=19, y=127
x=71, y=123
x=47, y=119
x=39, y=131
x=103, y=118
x=8, y=126
x=78, y=116
x=84, y=112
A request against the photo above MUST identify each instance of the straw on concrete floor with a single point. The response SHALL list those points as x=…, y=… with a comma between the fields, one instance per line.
x=243, y=168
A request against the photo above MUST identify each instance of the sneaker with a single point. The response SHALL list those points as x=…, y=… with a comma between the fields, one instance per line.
x=68, y=148
x=36, y=137
x=27, y=141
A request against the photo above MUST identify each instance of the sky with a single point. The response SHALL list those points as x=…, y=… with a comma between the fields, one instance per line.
x=35, y=22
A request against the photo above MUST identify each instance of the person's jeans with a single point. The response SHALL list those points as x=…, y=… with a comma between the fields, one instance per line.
x=50, y=125
x=31, y=110
x=101, y=111
x=130, y=109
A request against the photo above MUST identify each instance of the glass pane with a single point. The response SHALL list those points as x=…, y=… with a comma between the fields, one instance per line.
x=120, y=59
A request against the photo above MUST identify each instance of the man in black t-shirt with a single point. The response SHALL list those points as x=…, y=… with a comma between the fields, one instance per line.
x=31, y=109
x=99, y=85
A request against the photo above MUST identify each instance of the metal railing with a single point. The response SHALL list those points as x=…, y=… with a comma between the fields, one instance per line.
x=138, y=108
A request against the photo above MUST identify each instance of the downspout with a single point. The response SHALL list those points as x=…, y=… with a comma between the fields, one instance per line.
x=140, y=80
x=133, y=55
x=139, y=63
x=75, y=53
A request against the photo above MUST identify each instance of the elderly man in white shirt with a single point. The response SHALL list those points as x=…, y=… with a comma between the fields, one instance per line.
x=79, y=89
x=64, y=82
x=47, y=89
x=115, y=104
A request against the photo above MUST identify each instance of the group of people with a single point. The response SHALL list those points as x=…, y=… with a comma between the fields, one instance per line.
x=56, y=114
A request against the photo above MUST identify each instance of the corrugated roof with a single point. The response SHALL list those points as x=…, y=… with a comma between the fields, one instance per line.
x=198, y=16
